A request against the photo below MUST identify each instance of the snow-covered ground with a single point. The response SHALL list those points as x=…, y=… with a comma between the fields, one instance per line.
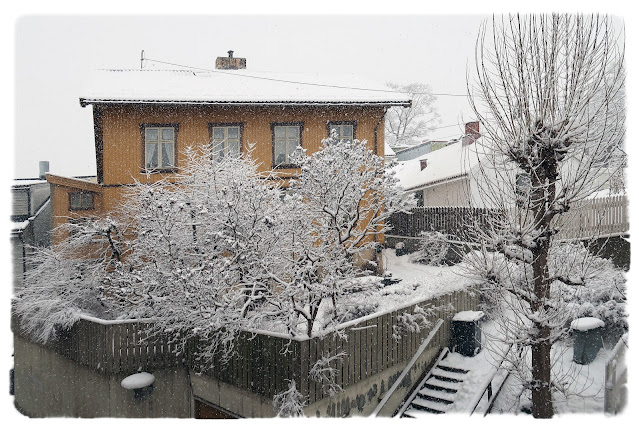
x=417, y=283
x=585, y=382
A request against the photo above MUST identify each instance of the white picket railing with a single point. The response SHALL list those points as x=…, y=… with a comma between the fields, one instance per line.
x=598, y=217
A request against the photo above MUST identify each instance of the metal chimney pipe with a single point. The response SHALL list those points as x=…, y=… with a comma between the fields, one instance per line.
x=44, y=169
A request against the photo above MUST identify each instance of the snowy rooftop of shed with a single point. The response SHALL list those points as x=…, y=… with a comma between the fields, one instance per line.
x=443, y=164
x=233, y=87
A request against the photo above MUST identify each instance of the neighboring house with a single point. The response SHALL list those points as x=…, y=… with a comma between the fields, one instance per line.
x=413, y=151
x=31, y=217
x=405, y=153
x=442, y=177
x=389, y=154
x=144, y=120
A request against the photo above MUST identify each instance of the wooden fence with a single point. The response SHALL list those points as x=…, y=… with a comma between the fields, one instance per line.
x=454, y=221
x=263, y=364
x=599, y=217
x=112, y=346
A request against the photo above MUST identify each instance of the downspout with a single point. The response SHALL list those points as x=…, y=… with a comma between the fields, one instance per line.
x=375, y=130
x=378, y=256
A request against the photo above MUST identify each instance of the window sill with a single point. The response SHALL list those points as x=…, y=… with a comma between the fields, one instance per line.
x=286, y=166
x=154, y=171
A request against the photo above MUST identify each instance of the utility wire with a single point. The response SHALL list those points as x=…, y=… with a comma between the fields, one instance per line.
x=292, y=81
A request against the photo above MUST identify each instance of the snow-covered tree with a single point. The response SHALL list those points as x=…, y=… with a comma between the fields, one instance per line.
x=80, y=274
x=344, y=197
x=207, y=243
x=410, y=125
x=549, y=95
x=221, y=247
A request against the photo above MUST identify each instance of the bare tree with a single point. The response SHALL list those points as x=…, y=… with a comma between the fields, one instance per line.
x=411, y=125
x=549, y=94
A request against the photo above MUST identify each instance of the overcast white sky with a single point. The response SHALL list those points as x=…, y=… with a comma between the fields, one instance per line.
x=54, y=52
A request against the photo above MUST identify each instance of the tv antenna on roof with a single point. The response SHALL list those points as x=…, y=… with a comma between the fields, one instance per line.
x=142, y=58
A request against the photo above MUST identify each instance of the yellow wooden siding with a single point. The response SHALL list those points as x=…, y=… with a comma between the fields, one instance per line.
x=123, y=147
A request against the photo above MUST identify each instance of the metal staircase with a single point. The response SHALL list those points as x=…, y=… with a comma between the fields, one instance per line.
x=437, y=391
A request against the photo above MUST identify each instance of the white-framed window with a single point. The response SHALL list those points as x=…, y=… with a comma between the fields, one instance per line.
x=286, y=138
x=81, y=200
x=226, y=140
x=345, y=130
x=159, y=147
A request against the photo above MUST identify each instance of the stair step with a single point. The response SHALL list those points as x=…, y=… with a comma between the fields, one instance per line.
x=448, y=375
x=445, y=389
x=414, y=413
x=451, y=368
x=427, y=405
x=452, y=386
x=436, y=395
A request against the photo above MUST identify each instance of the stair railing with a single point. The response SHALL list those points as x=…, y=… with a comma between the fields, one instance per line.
x=487, y=386
x=410, y=364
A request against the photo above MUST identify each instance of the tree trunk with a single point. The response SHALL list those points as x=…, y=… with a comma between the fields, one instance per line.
x=541, y=363
x=541, y=392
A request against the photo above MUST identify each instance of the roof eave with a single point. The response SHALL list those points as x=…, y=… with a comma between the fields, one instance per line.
x=86, y=101
x=436, y=182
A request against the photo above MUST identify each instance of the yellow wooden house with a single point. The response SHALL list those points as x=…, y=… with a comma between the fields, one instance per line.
x=144, y=119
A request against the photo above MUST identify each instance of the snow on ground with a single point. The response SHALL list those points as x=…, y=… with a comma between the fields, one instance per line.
x=585, y=382
x=417, y=283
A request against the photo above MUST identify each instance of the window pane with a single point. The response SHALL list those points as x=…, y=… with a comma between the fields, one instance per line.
x=218, y=133
x=151, y=134
x=347, y=132
x=167, y=155
x=233, y=133
x=81, y=201
x=292, y=132
x=291, y=145
x=234, y=149
x=151, y=155
x=280, y=132
x=167, y=134
x=280, y=152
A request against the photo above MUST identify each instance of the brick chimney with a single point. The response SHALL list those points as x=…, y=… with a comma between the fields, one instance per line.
x=422, y=164
x=229, y=62
x=472, y=133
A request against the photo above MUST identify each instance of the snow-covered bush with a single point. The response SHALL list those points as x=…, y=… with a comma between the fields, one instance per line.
x=584, y=284
x=354, y=311
x=596, y=289
x=289, y=403
x=433, y=249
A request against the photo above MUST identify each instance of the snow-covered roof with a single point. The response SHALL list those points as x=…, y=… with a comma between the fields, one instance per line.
x=443, y=164
x=234, y=87
x=388, y=151
x=27, y=182
x=468, y=316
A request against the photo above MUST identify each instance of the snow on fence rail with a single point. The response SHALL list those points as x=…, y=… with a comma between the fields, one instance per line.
x=264, y=363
